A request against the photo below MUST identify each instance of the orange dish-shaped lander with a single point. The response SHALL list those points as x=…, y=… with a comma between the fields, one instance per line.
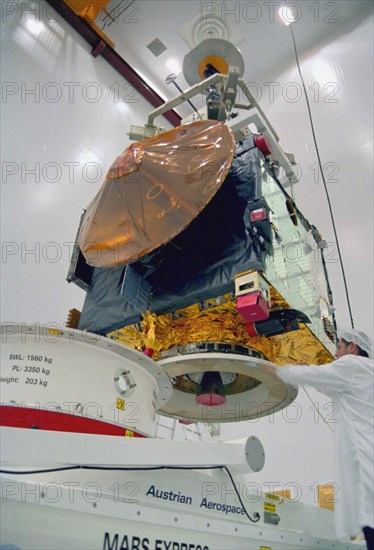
x=154, y=190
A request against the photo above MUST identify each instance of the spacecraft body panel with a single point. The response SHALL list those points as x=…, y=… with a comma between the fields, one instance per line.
x=296, y=267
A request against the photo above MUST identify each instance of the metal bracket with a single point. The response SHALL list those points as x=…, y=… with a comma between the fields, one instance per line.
x=229, y=85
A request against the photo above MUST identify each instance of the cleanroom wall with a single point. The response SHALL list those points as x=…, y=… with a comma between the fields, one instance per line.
x=65, y=117
x=339, y=80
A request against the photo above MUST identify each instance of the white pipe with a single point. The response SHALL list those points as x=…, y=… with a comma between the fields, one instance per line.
x=38, y=449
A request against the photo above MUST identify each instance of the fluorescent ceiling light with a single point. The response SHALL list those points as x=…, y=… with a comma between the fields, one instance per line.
x=34, y=27
x=286, y=15
x=150, y=83
x=173, y=66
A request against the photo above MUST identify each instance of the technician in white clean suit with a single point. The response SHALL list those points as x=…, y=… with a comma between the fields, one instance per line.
x=349, y=382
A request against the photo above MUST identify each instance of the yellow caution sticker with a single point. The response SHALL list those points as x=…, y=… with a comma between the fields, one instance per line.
x=272, y=496
x=120, y=404
x=270, y=507
x=54, y=331
x=265, y=548
x=129, y=433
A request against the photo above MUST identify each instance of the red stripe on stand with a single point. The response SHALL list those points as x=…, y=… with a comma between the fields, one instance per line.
x=26, y=417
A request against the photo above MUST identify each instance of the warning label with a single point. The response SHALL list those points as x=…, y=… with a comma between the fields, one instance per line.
x=120, y=404
x=269, y=507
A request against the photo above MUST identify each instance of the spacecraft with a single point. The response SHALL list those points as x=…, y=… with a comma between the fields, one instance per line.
x=199, y=269
x=194, y=252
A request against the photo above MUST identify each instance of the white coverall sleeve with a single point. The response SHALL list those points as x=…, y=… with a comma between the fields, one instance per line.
x=335, y=376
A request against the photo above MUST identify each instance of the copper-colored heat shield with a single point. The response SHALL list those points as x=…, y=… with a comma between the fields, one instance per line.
x=154, y=190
